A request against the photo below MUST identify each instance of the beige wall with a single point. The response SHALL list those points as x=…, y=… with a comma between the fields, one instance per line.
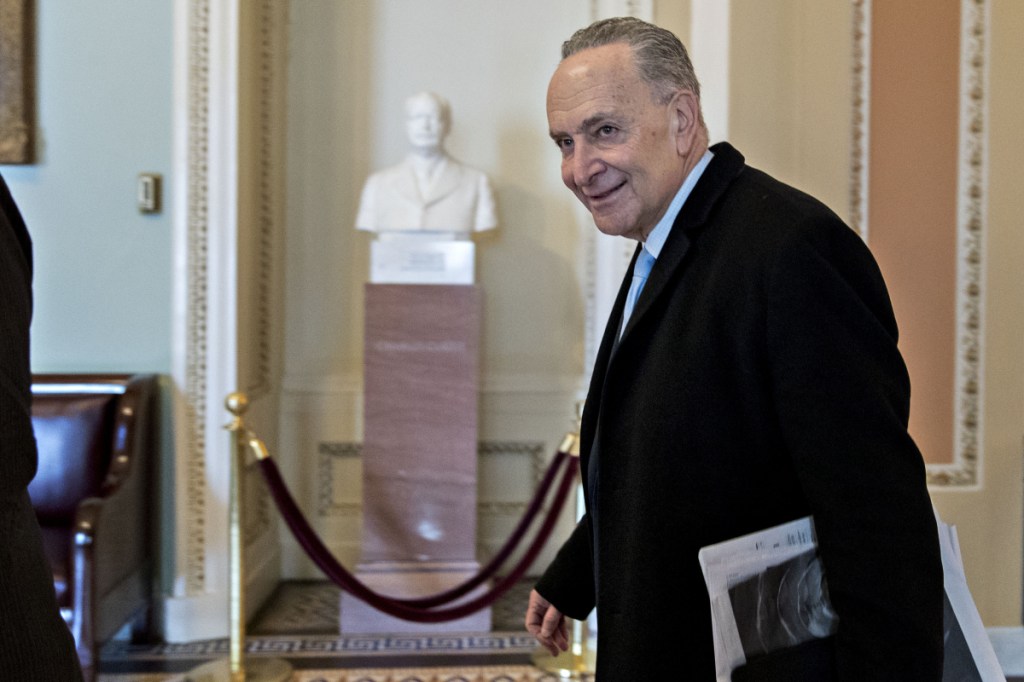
x=790, y=93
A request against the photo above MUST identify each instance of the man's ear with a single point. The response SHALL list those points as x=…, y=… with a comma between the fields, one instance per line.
x=685, y=109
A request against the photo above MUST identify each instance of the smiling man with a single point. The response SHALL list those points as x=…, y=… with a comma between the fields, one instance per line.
x=749, y=375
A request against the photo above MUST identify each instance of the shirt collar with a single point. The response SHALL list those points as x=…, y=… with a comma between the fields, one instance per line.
x=656, y=239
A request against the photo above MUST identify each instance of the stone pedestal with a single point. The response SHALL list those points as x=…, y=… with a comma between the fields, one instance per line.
x=419, y=450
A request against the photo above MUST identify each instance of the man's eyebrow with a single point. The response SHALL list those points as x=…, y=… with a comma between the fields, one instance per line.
x=588, y=123
x=592, y=121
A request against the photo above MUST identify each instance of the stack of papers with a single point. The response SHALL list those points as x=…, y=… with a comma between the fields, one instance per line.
x=768, y=592
x=969, y=653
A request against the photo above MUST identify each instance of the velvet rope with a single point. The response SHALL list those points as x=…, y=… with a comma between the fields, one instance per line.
x=499, y=558
x=413, y=609
x=506, y=550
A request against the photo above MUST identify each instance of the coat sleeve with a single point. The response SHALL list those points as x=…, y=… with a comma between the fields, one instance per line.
x=568, y=582
x=843, y=395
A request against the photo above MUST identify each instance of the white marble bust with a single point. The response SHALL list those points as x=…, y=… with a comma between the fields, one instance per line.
x=429, y=192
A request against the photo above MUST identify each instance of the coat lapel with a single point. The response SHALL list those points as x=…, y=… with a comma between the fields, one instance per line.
x=724, y=167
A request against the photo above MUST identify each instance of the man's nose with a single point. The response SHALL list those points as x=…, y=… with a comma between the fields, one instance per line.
x=585, y=165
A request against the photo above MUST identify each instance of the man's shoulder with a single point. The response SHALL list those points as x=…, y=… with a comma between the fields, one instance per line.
x=744, y=184
x=769, y=192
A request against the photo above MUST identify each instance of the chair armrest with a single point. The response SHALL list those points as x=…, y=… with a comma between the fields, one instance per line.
x=133, y=438
x=83, y=579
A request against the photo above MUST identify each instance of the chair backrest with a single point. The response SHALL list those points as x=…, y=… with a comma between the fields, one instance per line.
x=74, y=425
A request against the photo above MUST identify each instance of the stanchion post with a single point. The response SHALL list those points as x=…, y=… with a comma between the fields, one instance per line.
x=233, y=669
x=578, y=662
x=237, y=404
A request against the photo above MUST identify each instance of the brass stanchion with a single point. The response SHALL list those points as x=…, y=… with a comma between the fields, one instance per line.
x=579, y=661
x=236, y=668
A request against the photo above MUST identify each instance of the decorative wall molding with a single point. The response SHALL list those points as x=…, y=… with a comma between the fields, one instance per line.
x=546, y=383
x=972, y=184
x=206, y=350
x=197, y=293
x=971, y=224
x=861, y=119
x=330, y=454
x=534, y=452
x=263, y=323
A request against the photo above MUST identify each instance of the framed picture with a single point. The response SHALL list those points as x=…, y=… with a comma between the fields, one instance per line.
x=17, y=92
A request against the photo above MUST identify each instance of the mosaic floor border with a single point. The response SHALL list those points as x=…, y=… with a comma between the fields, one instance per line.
x=462, y=674
x=297, y=646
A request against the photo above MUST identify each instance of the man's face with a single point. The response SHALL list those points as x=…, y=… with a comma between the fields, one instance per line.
x=424, y=123
x=623, y=154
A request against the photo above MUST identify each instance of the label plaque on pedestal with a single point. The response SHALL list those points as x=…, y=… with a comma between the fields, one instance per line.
x=412, y=259
x=419, y=450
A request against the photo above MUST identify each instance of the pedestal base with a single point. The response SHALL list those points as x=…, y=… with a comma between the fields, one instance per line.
x=407, y=580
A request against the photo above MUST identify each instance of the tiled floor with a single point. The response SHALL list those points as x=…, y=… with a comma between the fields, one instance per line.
x=312, y=608
x=300, y=624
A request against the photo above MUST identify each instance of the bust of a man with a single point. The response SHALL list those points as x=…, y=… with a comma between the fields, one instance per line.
x=429, y=191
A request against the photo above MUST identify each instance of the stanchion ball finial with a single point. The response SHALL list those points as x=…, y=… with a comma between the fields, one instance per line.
x=237, y=403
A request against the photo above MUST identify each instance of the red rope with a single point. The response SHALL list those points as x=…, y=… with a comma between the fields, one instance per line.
x=413, y=609
x=506, y=550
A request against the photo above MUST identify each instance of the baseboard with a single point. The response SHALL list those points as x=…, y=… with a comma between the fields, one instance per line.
x=200, y=617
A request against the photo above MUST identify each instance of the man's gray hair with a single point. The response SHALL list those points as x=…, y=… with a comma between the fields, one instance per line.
x=660, y=57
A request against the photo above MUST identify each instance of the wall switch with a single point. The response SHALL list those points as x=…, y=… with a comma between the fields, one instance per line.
x=148, y=191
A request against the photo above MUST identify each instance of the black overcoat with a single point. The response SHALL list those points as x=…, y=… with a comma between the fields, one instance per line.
x=35, y=644
x=758, y=381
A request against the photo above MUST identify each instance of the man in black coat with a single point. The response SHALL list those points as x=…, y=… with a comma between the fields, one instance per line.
x=756, y=380
x=35, y=643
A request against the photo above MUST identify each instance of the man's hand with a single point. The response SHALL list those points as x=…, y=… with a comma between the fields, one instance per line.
x=547, y=624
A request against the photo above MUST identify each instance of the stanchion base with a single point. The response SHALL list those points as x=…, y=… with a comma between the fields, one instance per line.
x=568, y=665
x=256, y=670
